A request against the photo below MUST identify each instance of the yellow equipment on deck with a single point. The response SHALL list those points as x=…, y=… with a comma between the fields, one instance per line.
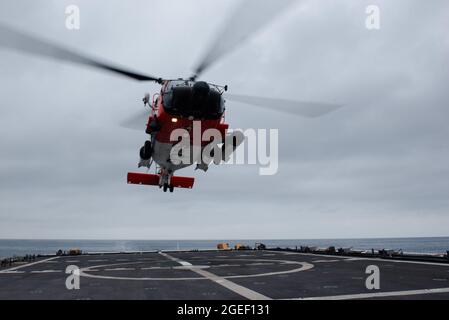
x=223, y=246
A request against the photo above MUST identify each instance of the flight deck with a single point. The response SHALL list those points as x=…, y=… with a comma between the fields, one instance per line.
x=222, y=275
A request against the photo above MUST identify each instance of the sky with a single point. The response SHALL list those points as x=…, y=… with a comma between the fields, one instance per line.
x=378, y=167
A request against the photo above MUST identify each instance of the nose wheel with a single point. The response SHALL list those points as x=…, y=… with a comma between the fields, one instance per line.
x=165, y=181
x=167, y=187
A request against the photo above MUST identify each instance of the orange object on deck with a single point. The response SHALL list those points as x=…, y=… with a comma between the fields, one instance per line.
x=223, y=246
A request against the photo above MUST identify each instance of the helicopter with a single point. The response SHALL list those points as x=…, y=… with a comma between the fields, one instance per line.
x=184, y=102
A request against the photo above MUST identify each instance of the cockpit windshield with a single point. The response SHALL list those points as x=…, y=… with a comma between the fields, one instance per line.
x=193, y=99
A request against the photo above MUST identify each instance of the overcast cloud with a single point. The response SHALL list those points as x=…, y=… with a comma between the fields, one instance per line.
x=376, y=168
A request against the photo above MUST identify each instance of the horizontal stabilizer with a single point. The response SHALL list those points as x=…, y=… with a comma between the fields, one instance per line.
x=153, y=180
x=182, y=182
x=143, y=179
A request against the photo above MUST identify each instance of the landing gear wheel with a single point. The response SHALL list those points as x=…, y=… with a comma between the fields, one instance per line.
x=172, y=189
x=146, y=151
x=165, y=187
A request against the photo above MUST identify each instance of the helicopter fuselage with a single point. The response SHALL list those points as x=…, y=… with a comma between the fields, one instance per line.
x=182, y=108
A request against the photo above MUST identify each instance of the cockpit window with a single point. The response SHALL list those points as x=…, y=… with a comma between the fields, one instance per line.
x=185, y=98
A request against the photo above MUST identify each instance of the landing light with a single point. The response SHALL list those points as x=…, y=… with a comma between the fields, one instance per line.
x=174, y=120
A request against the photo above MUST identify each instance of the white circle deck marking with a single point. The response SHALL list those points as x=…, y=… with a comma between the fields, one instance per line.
x=300, y=266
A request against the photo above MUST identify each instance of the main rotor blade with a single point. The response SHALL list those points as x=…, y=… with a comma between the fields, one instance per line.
x=301, y=108
x=248, y=18
x=17, y=40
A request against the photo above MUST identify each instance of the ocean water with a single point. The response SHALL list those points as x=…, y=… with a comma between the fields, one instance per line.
x=9, y=248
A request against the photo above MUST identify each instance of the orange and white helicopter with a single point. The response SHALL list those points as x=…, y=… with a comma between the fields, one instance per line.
x=182, y=102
